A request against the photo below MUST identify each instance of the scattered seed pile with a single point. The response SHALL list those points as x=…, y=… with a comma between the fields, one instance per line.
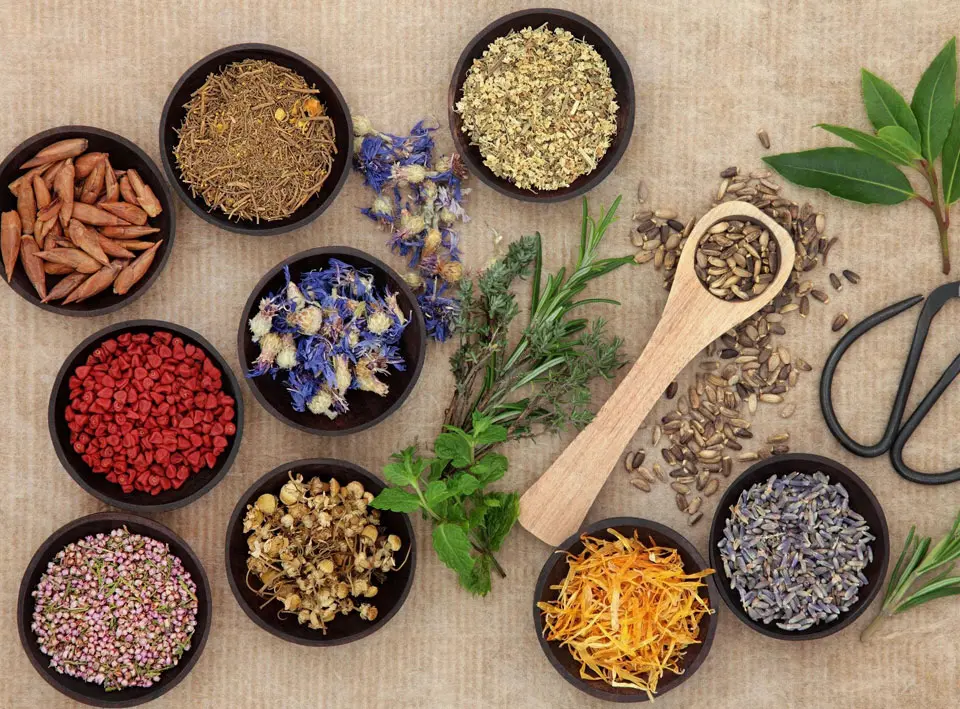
x=746, y=367
x=541, y=107
x=255, y=142
x=795, y=551
x=115, y=609
x=737, y=260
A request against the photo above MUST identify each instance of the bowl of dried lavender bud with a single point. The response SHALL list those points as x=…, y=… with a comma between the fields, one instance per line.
x=801, y=547
x=541, y=105
x=146, y=415
x=256, y=139
x=332, y=341
x=309, y=561
x=87, y=223
x=114, y=610
x=625, y=610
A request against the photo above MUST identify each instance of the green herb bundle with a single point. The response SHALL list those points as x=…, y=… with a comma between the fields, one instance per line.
x=913, y=582
x=506, y=391
x=907, y=136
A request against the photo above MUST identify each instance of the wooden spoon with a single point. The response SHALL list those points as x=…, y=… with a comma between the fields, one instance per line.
x=556, y=505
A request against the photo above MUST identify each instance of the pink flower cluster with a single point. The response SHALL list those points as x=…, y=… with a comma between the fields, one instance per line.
x=115, y=609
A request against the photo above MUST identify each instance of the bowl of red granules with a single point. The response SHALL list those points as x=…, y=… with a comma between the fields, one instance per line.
x=146, y=415
x=114, y=610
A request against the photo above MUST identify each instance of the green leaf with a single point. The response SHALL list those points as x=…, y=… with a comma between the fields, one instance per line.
x=901, y=138
x=934, y=98
x=437, y=468
x=490, y=468
x=847, y=173
x=478, y=580
x=396, y=500
x=498, y=521
x=885, y=106
x=436, y=492
x=493, y=434
x=453, y=548
x=951, y=161
x=898, y=570
x=869, y=143
x=455, y=448
x=923, y=597
x=463, y=484
x=405, y=468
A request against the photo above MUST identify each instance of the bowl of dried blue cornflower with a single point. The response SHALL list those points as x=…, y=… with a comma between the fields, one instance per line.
x=800, y=545
x=332, y=341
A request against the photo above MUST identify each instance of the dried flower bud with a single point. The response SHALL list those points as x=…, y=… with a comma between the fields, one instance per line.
x=289, y=493
x=432, y=241
x=267, y=504
x=370, y=532
x=413, y=279
x=368, y=612
x=393, y=541
x=287, y=521
x=451, y=271
x=371, y=592
x=362, y=126
x=326, y=566
x=260, y=325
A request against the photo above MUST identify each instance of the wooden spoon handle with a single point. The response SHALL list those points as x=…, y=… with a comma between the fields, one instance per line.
x=556, y=505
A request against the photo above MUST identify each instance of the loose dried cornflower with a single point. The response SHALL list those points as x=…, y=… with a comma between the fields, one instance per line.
x=418, y=197
x=331, y=332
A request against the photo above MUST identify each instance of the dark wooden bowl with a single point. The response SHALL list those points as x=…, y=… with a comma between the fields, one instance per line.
x=123, y=155
x=862, y=500
x=581, y=28
x=343, y=629
x=74, y=687
x=197, y=485
x=366, y=408
x=555, y=570
x=173, y=114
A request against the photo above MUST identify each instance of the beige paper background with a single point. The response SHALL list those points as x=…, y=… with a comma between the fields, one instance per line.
x=708, y=75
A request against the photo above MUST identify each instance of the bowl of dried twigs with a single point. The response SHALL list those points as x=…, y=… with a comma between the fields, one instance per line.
x=272, y=608
x=620, y=76
x=105, y=249
x=305, y=157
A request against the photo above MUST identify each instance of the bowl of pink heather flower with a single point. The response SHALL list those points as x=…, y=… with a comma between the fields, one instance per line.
x=114, y=610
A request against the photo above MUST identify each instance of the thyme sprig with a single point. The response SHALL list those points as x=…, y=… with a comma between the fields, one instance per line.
x=913, y=582
x=506, y=390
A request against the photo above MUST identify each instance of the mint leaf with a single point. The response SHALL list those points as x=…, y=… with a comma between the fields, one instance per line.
x=498, y=521
x=437, y=466
x=847, y=173
x=951, y=161
x=492, y=434
x=490, y=468
x=885, y=106
x=895, y=135
x=455, y=448
x=478, y=580
x=396, y=500
x=480, y=422
x=934, y=98
x=463, y=484
x=870, y=144
x=436, y=492
x=453, y=547
x=405, y=468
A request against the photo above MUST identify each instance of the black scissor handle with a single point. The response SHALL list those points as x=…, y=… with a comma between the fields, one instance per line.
x=903, y=390
x=938, y=298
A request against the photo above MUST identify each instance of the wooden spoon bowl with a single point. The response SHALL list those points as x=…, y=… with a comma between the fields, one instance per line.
x=556, y=505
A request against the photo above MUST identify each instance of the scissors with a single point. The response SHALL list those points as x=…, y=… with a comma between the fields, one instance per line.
x=894, y=437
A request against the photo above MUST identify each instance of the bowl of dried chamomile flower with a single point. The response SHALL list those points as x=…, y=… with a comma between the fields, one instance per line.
x=310, y=561
x=541, y=105
x=256, y=139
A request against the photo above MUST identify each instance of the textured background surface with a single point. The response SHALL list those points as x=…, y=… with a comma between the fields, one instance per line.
x=707, y=76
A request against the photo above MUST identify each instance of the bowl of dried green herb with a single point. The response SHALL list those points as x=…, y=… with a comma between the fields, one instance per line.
x=800, y=545
x=256, y=139
x=541, y=105
x=346, y=568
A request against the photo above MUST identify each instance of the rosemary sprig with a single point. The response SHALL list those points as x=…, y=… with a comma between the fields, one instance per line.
x=503, y=392
x=912, y=582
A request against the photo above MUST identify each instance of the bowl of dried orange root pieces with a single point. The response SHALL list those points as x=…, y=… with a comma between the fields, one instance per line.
x=625, y=610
